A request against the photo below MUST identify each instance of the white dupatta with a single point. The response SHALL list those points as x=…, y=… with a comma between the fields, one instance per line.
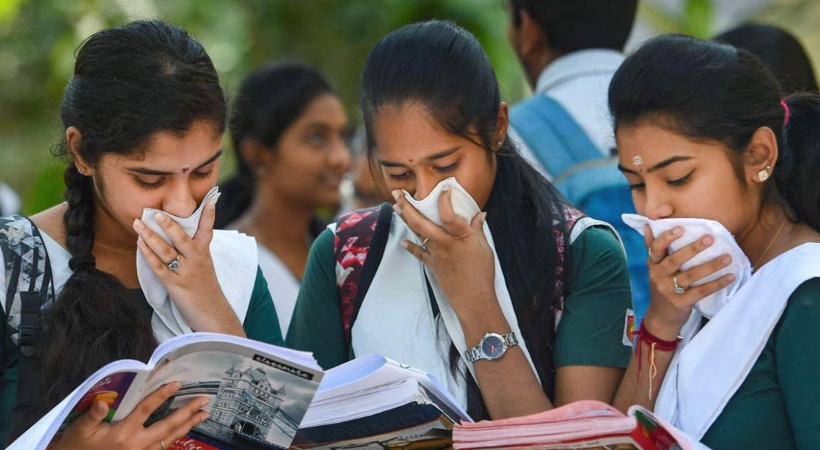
x=710, y=364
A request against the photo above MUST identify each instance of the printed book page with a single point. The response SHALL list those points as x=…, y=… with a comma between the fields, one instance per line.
x=257, y=396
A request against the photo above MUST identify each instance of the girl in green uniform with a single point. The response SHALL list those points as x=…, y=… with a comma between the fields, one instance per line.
x=531, y=319
x=703, y=132
x=143, y=119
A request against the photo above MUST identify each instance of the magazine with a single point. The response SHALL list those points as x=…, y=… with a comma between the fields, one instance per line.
x=258, y=392
x=373, y=402
x=587, y=425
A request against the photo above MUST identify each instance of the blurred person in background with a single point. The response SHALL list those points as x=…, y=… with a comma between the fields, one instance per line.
x=779, y=51
x=289, y=132
x=359, y=189
x=569, y=51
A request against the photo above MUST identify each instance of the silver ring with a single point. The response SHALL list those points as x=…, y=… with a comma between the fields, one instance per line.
x=678, y=289
x=173, y=266
x=161, y=442
x=656, y=258
x=424, y=244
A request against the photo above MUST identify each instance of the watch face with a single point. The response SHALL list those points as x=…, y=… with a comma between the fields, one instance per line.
x=492, y=346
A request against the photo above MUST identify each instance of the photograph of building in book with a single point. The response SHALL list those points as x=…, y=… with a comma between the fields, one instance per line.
x=253, y=405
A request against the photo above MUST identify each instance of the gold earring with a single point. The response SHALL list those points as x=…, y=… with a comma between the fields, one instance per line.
x=763, y=175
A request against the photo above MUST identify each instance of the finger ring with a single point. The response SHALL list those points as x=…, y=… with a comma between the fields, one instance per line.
x=173, y=266
x=424, y=244
x=161, y=442
x=656, y=258
x=678, y=289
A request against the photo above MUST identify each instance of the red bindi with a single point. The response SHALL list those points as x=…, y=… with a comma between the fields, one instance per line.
x=410, y=160
x=185, y=169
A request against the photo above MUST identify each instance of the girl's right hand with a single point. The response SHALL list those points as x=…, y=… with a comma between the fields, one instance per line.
x=89, y=432
x=670, y=309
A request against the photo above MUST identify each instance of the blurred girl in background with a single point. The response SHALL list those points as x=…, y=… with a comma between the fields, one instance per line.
x=289, y=132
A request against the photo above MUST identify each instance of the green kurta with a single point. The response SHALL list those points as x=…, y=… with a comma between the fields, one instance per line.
x=778, y=404
x=590, y=333
x=260, y=324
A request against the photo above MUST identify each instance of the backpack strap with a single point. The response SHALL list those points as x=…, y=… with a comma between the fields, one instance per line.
x=29, y=296
x=359, y=241
x=554, y=137
x=29, y=283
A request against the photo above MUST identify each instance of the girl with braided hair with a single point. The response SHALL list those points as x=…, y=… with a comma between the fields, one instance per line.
x=144, y=115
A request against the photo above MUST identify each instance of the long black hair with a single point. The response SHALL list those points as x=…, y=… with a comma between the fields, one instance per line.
x=269, y=101
x=129, y=83
x=443, y=68
x=705, y=90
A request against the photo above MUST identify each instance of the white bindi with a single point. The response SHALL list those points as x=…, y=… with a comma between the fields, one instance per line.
x=637, y=160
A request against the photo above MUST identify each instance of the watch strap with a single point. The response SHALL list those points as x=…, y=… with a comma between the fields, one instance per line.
x=474, y=353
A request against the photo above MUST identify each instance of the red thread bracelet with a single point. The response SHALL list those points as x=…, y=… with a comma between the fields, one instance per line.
x=667, y=346
x=654, y=342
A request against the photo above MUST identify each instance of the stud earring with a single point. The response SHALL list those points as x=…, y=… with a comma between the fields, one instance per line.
x=763, y=175
x=80, y=171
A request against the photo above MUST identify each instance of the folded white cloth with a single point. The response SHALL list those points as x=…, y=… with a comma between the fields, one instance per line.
x=694, y=229
x=235, y=262
x=463, y=204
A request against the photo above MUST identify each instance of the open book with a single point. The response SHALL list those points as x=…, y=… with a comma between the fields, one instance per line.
x=258, y=392
x=580, y=425
x=375, y=402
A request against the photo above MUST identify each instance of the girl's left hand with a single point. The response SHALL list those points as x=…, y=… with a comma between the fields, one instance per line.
x=456, y=253
x=192, y=285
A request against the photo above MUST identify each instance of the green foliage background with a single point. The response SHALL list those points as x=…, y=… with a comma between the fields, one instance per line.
x=38, y=39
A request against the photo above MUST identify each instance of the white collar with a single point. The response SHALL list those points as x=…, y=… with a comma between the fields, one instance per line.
x=576, y=64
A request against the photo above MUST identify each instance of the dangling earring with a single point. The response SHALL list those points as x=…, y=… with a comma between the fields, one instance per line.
x=763, y=175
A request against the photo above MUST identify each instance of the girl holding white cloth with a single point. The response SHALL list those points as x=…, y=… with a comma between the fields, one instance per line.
x=703, y=132
x=143, y=119
x=518, y=304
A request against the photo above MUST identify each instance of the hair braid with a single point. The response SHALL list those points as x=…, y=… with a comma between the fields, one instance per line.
x=79, y=219
x=93, y=307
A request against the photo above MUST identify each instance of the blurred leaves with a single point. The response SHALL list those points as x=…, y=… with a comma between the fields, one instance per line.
x=695, y=18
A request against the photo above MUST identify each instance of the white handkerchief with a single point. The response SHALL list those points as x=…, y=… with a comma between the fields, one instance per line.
x=694, y=229
x=154, y=291
x=189, y=224
x=463, y=204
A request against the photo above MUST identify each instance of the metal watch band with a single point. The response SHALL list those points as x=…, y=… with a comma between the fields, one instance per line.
x=474, y=353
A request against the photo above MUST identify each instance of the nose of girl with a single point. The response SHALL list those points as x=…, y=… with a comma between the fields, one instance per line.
x=180, y=202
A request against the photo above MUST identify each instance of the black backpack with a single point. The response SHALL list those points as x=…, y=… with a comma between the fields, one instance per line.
x=29, y=296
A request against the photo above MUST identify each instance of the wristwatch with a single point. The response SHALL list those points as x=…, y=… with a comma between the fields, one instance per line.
x=491, y=346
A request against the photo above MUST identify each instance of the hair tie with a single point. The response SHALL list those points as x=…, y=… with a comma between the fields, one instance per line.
x=786, y=112
x=82, y=263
